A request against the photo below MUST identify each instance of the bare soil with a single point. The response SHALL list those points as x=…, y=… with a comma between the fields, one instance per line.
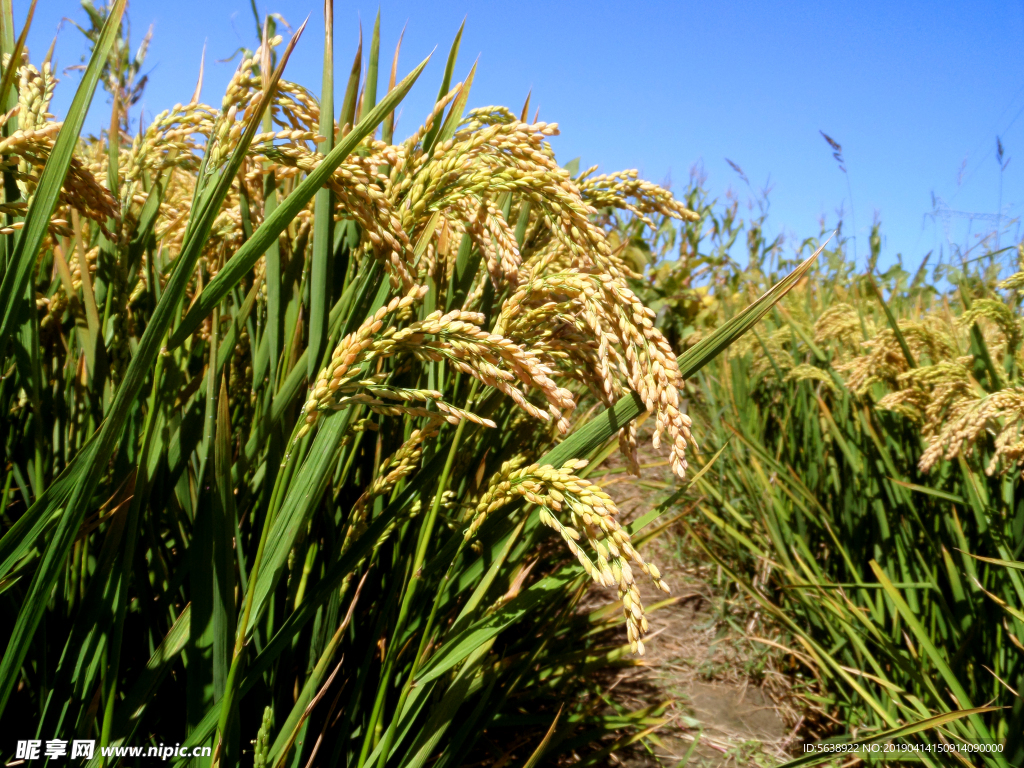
x=731, y=705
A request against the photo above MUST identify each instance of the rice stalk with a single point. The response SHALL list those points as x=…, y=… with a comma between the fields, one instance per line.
x=255, y=356
x=867, y=495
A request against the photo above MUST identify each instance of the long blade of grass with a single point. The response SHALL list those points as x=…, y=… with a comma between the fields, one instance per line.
x=454, y=118
x=372, y=67
x=323, y=215
x=925, y=642
x=456, y=649
x=388, y=131
x=348, y=106
x=538, y=753
x=1016, y=565
x=446, y=83
x=710, y=346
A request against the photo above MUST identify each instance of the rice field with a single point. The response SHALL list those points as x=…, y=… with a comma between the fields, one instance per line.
x=282, y=391
x=302, y=423
x=863, y=476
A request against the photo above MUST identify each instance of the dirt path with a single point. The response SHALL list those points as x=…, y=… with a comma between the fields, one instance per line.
x=730, y=705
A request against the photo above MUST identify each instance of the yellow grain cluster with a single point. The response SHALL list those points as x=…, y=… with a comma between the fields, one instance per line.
x=547, y=319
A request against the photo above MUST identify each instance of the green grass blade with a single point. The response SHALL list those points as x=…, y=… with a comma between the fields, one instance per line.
x=388, y=132
x=323, y=216
x=274, y=333
x=348, y=106
x=1014, y=564
x=710, y=346
x=289, y=728
x=7, y=44
x=303, y=495
x=147, y=221
x=456, y=649
x=596, y=431
x=925, y=642
x=538, y=753
x=928, y=491
x=224, y=609
x=444, y=712
x=454, y=118
x=372, y=66
x=446, y=84
x=498, y=558
x=467, y=264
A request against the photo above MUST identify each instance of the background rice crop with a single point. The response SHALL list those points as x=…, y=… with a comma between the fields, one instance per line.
x=867, y=494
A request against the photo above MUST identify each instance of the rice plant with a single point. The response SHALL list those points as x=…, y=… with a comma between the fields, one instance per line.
x=297, y=417
x=868, y=493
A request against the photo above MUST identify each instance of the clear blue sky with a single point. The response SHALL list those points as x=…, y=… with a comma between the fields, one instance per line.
x=915, y=92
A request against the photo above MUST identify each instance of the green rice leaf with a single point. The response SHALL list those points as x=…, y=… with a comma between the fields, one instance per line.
x=323, y=215
x=430, y=137
x=708, y=348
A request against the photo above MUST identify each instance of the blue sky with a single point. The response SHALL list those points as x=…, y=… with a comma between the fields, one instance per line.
x=915, y=92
